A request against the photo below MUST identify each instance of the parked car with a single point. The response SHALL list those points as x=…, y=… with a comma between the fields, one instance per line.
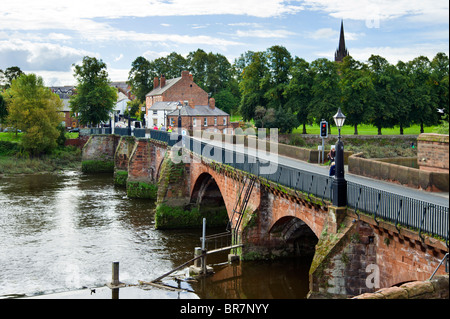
x=11, y=129
x=75, y=130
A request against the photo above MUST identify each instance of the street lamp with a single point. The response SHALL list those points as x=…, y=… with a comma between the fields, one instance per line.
x=339, y=182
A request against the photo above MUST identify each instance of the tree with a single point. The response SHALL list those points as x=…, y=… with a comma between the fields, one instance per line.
x=440, y=84
x=7, y=76
x=226, y=101
x=140, y=78
x=383, y=102
x=326, y=91
x=402, y=85
x=34, y=109
x=3, y=109
x=298, y=92
x=423, y=110
x=274, y=82
x=252, y=93
x=357, y=92
x=94, y=99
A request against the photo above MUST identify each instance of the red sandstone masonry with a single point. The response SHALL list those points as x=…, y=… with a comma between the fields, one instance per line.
x=433, y=152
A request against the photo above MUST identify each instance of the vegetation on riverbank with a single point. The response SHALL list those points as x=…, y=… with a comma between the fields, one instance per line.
x=13, y=159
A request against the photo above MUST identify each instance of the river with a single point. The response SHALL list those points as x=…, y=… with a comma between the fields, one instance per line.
x=61, y=233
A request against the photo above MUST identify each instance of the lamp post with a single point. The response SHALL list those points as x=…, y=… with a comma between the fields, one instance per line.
x=179, y=123
x=339, y=182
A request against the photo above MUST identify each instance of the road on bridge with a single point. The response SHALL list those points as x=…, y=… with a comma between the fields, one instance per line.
x=441, y=199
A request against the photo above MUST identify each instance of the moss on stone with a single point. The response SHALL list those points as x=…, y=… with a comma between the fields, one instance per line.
x=120, y=178
x=167, y=217
x=141, y=190
x=96, y=166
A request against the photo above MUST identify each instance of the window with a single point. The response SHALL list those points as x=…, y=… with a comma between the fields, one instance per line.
x=224, y=121
x=215, y=121
x=171, y=121
x=205, y=121
x=194, y=121
x=155, y=112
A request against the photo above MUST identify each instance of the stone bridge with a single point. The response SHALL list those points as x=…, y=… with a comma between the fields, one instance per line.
x=351, y=252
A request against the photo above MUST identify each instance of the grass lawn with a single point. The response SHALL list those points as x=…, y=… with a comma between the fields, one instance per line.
x=10, y=136
x=363, y=129
x=366, y=130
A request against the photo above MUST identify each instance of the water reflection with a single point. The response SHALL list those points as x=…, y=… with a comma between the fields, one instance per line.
x=61, y=232
x=257, y=280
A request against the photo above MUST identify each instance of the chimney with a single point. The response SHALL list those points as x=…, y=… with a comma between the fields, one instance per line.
x=184, y=74
x=163, y=80
x=212, y=103
x=191, y=103
x=155, y=82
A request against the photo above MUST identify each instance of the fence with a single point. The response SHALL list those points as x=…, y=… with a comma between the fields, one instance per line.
x=122, y=131
x=400, y=210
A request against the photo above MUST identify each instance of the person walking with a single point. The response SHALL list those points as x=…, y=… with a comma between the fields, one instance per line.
x=332, y=154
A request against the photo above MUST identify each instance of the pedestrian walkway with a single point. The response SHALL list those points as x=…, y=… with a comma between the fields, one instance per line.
x=441, y=199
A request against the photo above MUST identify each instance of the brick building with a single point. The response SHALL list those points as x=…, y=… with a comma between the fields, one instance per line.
x=201, y=117
x=177, y=89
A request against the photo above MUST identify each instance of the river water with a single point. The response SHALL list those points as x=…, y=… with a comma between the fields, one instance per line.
x=61, y=233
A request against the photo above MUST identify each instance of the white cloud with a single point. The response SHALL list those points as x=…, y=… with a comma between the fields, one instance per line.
x=329, y=33
x=39, y=56
x=264, y=33
x=116, y=59
x=36, y=15
x=425, y=10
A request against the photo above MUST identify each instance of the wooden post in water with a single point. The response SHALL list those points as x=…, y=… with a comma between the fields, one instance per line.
x=203, y=247
x=115, y=273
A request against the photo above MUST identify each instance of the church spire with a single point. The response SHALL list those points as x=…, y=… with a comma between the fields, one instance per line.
x=341, y=52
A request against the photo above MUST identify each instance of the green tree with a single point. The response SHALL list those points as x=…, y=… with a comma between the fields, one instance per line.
x=34, y=109
x=275, y=81
x=7, y=76
x=252, y=93
x=383, y=102
x=326, y=91
x=226, y=101
x=357, y=92
x=298, y=92
x=3, y=109
x=440, y=83
x=140, y=78
x=285, y=120
x=94, y=99
x=423, y=108
x=403, y=89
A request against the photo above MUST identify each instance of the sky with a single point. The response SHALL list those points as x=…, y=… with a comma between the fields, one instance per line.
x=47, y=37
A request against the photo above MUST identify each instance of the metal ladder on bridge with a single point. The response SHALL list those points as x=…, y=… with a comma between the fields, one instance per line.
x=240, y=206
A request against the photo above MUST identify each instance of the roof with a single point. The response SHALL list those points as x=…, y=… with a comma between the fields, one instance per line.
x=199, y=110
x=166, y=106
x=159, y=90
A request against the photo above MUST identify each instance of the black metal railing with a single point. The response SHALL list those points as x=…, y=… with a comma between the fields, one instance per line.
x=401, y=210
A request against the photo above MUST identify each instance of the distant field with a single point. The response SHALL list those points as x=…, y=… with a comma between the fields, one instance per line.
x=366, y=130
x=362, y=129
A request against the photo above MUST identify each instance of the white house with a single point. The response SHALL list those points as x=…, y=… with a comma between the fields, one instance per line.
x=157, y=113
x=121, y=104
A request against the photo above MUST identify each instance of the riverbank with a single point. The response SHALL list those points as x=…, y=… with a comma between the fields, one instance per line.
x=13, y=162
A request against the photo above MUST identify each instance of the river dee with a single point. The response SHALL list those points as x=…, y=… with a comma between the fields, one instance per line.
x=61, y=232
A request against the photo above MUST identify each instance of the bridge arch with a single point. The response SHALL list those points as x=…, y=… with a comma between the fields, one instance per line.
x=298, y=237
x=206, y=191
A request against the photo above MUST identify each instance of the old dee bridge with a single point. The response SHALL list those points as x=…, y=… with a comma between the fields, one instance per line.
x=277, y=208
